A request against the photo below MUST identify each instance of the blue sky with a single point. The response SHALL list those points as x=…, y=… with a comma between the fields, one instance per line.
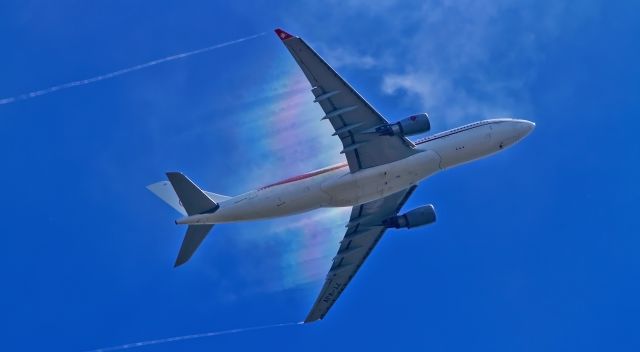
x=534, y=248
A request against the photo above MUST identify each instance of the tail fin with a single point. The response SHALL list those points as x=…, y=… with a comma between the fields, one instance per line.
x=164, y=191
x=188, y=199
x=192, y=198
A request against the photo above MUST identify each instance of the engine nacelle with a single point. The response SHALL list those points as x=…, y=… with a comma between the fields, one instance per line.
x=412, y=125
x=420, y=216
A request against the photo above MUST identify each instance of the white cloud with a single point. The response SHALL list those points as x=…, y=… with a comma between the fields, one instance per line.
x=410, y=83
x=432, y=93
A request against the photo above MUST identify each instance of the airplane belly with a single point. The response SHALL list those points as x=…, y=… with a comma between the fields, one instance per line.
x=378, y=182
x=296, y=198
x=281, y=200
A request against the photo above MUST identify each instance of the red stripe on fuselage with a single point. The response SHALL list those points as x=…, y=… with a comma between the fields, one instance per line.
x=305, y=176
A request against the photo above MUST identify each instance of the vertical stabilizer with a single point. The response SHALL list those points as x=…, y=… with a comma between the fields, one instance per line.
x=192, y=198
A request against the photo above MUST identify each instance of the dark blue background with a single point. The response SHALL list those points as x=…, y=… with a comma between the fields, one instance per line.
x=534, y=249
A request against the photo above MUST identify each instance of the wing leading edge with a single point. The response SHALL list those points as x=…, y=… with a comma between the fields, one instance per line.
x=351, y=116
x=364, y=230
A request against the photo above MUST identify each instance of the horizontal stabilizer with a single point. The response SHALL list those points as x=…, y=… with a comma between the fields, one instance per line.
x=165, y=192
x=192, y=240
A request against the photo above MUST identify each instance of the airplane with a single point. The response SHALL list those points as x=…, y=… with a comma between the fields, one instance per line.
x=382, y=169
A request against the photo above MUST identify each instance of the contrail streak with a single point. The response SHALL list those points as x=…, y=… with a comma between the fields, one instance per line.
x=38, y=93
x=189, y=337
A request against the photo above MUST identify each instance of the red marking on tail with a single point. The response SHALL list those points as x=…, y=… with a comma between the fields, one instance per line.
x=282, y=34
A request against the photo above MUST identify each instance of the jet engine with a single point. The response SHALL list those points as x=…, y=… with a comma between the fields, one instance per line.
x=420, y=216
x=412, y=125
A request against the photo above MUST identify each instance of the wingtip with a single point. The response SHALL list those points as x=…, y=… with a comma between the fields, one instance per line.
x=180, y=260
x=283, y=35
x=311, y=319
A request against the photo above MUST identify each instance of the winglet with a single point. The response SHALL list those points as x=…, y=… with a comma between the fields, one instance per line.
x=282, y=34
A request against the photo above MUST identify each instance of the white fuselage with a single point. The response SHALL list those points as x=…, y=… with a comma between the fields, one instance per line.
x=336, y=186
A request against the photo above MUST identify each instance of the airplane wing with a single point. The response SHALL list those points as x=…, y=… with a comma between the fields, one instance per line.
x=364, y=230
x=347, y=111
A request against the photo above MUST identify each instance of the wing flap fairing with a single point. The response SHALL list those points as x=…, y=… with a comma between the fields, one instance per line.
x=364, y=232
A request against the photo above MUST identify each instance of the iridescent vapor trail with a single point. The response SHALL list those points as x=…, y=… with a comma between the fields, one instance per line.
x=189, y=337
x=120, y=72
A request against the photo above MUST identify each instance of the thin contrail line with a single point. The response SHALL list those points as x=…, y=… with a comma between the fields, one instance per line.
x=38, y=93
x=189, y=337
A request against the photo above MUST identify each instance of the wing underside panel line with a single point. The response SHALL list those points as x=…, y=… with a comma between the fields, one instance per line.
x=364, y=231
x=343, y=106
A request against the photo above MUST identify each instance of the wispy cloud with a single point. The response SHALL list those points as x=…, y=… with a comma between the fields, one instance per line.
x=347, y=58
x=286, y=253
x=434, y=93
x=459, y=60
x=274, y=128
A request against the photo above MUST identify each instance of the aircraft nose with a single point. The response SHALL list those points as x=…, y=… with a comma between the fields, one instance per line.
x=524, y=127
